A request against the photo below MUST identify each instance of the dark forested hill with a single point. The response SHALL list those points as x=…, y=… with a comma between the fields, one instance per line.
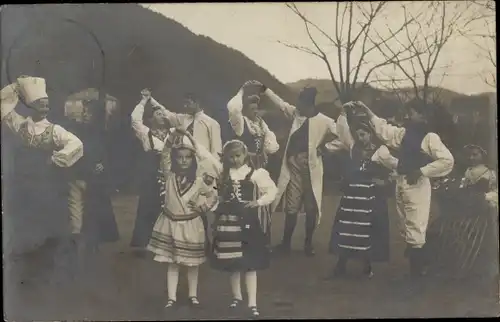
x=141, y=49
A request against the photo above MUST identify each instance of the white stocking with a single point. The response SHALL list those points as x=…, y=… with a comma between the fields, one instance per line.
x=172, y=281
x=192, y=275
x=236, y=285
x=251, y=283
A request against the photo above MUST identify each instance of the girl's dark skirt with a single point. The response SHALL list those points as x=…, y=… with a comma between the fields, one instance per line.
x=239, y=243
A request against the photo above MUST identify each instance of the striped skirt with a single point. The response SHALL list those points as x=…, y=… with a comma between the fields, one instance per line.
x=179, y=242
x=361, y=226
x=239, y=242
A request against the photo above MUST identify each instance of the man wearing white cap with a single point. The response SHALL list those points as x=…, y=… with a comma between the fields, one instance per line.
x=35, y=200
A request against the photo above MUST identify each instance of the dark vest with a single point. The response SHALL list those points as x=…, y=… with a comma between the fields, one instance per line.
x=410, y=154
x=299, y=141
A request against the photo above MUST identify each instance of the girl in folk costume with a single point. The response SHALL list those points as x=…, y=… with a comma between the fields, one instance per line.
x=239, y=243
x=361, y=226
x=36, y=191
x=253, y=131
x=421, y=156
x=249, y=127
x=179, y=235
x=152, y=138
x=463, y=240
x=301, y=179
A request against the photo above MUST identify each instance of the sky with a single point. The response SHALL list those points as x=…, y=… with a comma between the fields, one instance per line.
x=255, y=29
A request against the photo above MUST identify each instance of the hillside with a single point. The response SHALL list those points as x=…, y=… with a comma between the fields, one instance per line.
x=327, y=92
x=142, y=48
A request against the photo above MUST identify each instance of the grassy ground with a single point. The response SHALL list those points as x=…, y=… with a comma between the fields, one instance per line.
x=124, y=287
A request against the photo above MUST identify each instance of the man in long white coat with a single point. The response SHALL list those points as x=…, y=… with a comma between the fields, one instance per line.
x=204, y=129
x=301, y=178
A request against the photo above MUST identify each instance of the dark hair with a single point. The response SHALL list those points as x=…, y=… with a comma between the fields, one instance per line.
x=192, y=97
x=191, y=172
x=439, y=120
x=149, y=111
x=367, y=128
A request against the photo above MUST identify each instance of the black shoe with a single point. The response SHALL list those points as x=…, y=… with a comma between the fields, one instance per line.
x=236, y=303
x=194, y=302
x=170, y=304
x=254, y=312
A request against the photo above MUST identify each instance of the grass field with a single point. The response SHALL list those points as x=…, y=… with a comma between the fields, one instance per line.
x=124, y=287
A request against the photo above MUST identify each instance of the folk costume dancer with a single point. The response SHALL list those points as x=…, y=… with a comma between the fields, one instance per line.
x=89, y=192
x=178, y=236
x=361, y=226
x=248, y=125
x=36, y=187
x=252, y=130
x=301, y=178
x=240, y=245
x=421, y=156
x=151, y=127
x=205, y=130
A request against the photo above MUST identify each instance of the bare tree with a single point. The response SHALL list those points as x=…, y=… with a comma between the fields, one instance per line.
x=352, y=44
x=428, y=28
x=480, y=30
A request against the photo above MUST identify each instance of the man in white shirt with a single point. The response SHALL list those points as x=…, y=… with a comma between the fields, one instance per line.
x=204, y=129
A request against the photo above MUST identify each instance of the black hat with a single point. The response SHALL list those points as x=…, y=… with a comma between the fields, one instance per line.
x=308, y=96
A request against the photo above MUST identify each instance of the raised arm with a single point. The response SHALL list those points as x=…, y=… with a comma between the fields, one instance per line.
x=266, y=185
x=287, y=109
x=216, y=142
x=384, y=157
x=9, y=99
x=390, y=135
x=344, y=132
x=166, y=158
x=235, y=108
x=270, y=142
x=71, y=147
x=173, y=118
x=140, y=130
x=443, y=159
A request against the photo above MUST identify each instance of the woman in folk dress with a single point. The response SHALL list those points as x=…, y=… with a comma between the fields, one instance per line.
x=421, y=156
x=152, y=138
x=36, y=191
x=463, y=241
x=240, y=245
x=253, y=131
x=361, y=226
x=178, y=236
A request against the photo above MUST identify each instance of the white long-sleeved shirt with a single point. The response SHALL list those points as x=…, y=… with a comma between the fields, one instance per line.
x=141, y=130
x=70, y=147
x=238, y=121
x=267, y=187
x=431, y=145
x=206, y=130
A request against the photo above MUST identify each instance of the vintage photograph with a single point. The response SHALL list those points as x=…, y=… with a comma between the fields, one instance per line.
x=218, y=161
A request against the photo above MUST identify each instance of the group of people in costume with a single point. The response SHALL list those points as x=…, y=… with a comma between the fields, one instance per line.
x=190, y=176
